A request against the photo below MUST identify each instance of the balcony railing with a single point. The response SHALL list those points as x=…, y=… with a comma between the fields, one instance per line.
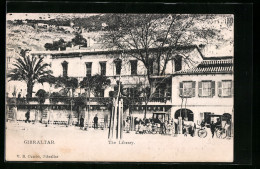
x=72, y=100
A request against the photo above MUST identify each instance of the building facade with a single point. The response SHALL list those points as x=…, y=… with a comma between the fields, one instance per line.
x=197, y=88
x=205, y=90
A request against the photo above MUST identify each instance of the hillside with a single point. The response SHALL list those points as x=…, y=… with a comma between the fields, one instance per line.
x=24, y=36
x=28, y=32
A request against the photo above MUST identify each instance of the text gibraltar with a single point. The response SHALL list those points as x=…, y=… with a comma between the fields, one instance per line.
x=39, y=142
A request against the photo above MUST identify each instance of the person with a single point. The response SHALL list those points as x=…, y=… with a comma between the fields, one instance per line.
x=105, y=120
x=202, y=124
x=149, y=126
x=95, y=122
x=218, y=123
x=164, y=127
x=173, y=127
x=127, y=126
x=19, y=95
x=185, y=127
x=212, y=128
x=69, y=120
x=142, y=128
x=81, y=122
x=27, y=115
x=227, y=127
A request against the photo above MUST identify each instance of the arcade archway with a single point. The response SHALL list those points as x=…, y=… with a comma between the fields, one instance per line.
x=184, y=113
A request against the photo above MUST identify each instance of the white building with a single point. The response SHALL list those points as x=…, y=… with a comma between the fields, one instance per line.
x=204, y=90
x=206, y=83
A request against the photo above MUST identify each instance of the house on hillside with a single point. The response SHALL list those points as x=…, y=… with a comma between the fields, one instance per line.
x=42, y=25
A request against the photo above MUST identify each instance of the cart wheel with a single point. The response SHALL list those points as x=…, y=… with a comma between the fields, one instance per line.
x=221, y=134
x=202, y=133
x=224, y=134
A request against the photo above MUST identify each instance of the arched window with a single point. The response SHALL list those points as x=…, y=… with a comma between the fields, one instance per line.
x=118, y=64
x=64, y=68
x=178, y=63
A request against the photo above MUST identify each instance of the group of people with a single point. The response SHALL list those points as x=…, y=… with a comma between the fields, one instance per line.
x=218, y=125
x=173, y=127
x=95, y=119
x=153, y=126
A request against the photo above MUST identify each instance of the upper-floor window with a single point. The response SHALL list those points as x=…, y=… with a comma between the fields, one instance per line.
x=102, y=68
x=187, y=89
x=150, y=66
x=118, y=64
x=207, y=88
x=88, y=68
x=168, y=90
x=133, y=67
x=156, y=68
x=178, y=63
x=225, y=88
x=64, y=68
x=153, y=67
x=160, y=91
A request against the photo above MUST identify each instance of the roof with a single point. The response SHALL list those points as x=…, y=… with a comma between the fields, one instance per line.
x=208, y=66
x=94, y=50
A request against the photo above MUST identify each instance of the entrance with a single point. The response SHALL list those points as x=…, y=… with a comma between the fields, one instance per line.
x=184, y=113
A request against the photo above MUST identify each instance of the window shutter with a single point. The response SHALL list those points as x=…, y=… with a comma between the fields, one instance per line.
x=232, y=88
x=213, y=88
x=193, y=88
x=220, y=89
x=181, y=89
x=200, y=88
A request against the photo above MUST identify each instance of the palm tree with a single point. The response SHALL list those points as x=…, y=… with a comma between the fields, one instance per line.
x=29, y=69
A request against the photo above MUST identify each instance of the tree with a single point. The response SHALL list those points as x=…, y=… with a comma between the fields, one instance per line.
x=56, y=45
x=131, y=96
x=159, y=37
x=67, y=84
x=62, y=44
x=42, y=95
x=79, y=40
x=30, y=69
x=156, y=39
x=93, y=84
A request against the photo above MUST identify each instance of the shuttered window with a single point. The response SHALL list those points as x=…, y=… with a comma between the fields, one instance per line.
x=225, y=88
x=181, y=89
x=206, y=88
x=193, y=88
x=187, y=89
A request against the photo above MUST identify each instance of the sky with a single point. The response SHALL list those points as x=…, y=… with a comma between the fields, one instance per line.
x=44, y=16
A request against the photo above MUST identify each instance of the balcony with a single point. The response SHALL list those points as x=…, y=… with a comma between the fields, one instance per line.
x=68, y=100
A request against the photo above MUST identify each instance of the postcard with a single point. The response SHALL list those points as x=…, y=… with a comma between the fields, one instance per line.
x=106, y=87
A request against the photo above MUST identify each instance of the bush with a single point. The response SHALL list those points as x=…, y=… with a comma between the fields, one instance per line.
x=42, y=95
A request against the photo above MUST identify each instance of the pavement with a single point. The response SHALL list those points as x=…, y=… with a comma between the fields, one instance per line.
x=73, y=144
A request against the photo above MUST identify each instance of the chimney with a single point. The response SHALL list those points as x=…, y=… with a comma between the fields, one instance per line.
x=88, y=42
x=202, y=48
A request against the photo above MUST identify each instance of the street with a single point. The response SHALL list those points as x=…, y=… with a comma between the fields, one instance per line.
x=29, y=142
